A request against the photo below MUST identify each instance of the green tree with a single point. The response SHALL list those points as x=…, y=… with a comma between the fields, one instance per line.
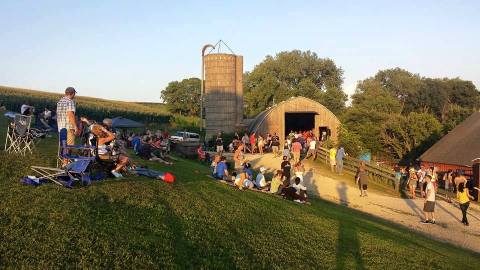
x=183, y=97
x=406, y=137
x=294, y=73
x=371, y=107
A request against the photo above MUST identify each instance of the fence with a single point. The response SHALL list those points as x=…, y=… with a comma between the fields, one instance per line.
x=376, y=173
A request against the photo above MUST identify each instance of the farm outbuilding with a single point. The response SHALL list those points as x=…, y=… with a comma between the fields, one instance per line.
x=457, y=149
x=296, y=114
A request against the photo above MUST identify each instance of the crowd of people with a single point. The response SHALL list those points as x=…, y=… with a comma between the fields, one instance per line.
x=110, y=144
x=281, y=182
x=426, y=180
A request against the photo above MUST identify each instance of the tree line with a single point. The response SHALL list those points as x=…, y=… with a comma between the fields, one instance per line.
x=395, y=114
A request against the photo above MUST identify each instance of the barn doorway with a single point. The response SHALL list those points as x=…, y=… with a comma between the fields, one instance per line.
x=324, y=132
x=299, y=122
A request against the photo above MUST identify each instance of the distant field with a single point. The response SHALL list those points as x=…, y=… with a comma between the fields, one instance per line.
x=95, y=108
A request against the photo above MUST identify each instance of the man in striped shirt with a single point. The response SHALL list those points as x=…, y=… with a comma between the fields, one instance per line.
x=66, y=115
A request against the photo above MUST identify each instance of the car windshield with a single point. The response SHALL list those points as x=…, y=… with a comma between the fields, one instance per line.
x=179, y=134
x=194, y=136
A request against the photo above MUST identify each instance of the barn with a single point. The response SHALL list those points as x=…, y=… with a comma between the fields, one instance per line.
x=296, y=114
x=457, y=149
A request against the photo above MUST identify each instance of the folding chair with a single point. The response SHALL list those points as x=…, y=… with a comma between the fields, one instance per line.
x=65, y=154
x=74, y=171
x=19, y=139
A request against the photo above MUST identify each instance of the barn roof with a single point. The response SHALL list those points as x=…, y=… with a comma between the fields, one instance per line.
x=460, y=146
x=258, y=120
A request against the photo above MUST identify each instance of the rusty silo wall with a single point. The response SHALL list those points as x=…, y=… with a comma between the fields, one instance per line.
x=223, y=93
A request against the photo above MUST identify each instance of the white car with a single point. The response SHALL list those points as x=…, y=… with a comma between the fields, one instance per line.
x=184, y=136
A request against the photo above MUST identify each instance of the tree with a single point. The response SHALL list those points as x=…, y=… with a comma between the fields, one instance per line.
x=371, y=107
x=294, y=73
x=406, y=137
x=183, y=97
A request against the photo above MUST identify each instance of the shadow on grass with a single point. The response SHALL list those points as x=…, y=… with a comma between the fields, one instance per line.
x=348, y=247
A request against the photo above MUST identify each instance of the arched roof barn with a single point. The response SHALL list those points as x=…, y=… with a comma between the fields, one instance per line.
x=297, y=114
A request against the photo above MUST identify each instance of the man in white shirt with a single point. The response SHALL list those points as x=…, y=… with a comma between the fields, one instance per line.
x=301, y=194
x=429, y=205
x=312, y=149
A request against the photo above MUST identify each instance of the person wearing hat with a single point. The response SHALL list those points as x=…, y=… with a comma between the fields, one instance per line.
x=260, y=181
x=66, y=108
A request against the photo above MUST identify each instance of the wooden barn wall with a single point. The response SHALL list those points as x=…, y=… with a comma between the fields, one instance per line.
x=275, y=120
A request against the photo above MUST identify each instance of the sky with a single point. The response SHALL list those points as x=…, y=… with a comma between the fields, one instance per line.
x=131, y=50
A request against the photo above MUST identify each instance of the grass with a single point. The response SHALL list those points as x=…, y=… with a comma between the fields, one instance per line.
x=137, y=223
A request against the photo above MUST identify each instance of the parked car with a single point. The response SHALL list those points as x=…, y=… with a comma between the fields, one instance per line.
x=184, y=136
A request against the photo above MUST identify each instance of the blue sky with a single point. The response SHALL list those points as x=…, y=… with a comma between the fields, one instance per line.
x=130, y=50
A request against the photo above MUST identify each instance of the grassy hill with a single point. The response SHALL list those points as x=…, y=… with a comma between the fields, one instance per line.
x=96, y=108
x=138, y=223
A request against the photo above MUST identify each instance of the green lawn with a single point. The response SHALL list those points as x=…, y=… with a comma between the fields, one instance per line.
x=139, y=223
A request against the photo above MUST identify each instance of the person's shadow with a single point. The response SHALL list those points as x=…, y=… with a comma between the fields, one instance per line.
x=348, y=254
x=342, y=193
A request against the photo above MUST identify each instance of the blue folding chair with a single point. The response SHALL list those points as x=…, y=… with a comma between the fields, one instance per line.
x=74, y=171
x=65, y=150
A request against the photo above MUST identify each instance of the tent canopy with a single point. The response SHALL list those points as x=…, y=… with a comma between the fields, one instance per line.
x=120, y=122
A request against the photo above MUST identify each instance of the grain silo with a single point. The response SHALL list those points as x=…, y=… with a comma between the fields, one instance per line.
x=223, y=93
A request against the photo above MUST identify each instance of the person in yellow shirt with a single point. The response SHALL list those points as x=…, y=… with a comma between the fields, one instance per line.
x=463, y=197
x=276, y=185
x=332, y=153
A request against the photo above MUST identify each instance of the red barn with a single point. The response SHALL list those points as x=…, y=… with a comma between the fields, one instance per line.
x=457, y=149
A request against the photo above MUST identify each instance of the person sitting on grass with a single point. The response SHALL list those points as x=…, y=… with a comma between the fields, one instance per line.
x=297, y=192
x=247, y=167
x=105, y=149
x=221, y=169
x=147, y=152
x=260, y=181
x=301, y=190
x=242, y=181
x=277, y=183
x=213, y=165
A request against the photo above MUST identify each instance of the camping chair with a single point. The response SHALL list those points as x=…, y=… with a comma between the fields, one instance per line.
x=74, y=171
x=19, y=139
x=65, y=154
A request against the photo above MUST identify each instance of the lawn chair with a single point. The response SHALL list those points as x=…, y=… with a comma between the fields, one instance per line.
x=65, y=154
x=74, y=171
x=19, y=138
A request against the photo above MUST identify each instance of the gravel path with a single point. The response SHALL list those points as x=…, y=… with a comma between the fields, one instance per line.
x=406, y=212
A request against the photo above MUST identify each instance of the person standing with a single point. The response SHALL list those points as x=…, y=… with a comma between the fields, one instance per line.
x=412, y=182
x=299, y=170
x=219, y=144
x=238, y=157
x=252, y=143
x=339, y=159
x=332, y=153
x=275, y=144
x=362, y=179
x=463, y=197
x=286, y=170
x=66, y=108
x=261, y=144
x=312, y=149
x=429, y=205
x=296, y=149
x=245, y=141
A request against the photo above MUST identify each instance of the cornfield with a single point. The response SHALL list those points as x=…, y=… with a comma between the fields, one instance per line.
x=93, y=108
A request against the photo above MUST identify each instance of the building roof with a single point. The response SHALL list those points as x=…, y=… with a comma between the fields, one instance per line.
x=293, y=104
x=460, y=146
